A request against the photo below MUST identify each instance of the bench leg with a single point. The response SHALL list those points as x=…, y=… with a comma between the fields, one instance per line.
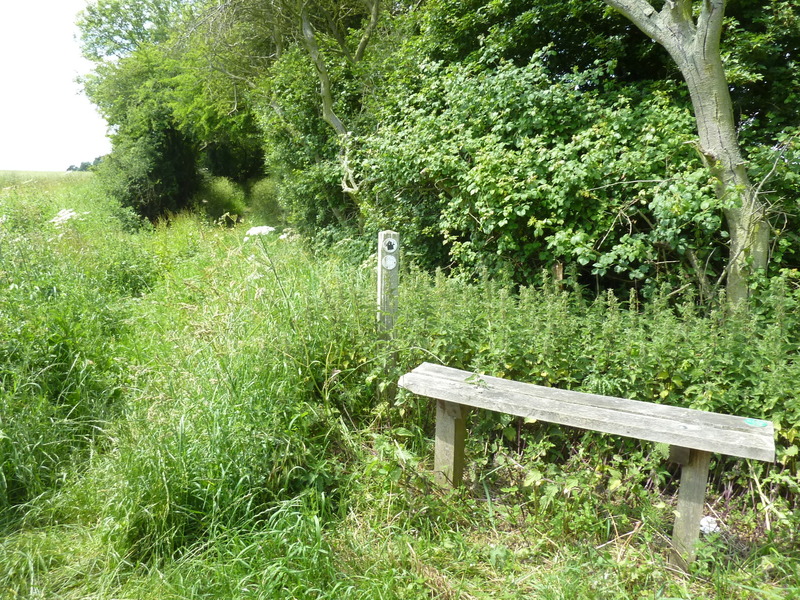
x=451, y=430
x=691, y=502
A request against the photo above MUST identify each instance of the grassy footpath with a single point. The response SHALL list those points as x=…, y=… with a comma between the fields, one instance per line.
x=186, y=413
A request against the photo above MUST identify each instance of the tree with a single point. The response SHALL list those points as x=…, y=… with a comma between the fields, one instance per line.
x=509, y=167
x=116, y=28
x=692, y=38
x=343, y=28
x=153, y=164
x=168, y=117
x=580, y=32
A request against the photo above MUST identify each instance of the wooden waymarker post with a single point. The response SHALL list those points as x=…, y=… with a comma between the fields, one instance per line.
x=388, y=280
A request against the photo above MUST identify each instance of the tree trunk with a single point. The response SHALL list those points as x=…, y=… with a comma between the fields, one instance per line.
x=325, y=87
x=349, y=184
x=695, y=49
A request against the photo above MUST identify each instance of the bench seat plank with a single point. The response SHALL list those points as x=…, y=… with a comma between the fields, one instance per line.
x=689, y=428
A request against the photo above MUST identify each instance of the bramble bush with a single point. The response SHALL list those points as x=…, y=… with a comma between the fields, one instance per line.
x=507, y=170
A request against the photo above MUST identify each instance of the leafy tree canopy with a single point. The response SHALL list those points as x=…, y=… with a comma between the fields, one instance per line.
x=504, y=136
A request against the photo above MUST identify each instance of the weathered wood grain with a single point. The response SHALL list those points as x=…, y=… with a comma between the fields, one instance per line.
x=679, y=455
x=685, y=427
x=691, y=434
x=451, y=431
x=691, y=502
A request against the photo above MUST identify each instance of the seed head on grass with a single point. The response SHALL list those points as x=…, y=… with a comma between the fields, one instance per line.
x=260, y=231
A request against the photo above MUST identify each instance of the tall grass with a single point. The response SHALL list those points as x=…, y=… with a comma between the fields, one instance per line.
x=59, y=369
x=188, y=414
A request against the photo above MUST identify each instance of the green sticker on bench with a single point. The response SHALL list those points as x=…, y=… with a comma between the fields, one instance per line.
x=756, y=422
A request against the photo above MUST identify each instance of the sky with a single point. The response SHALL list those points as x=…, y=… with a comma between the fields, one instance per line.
x=46, y=123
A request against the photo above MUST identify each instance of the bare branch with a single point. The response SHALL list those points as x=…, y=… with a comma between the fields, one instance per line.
x=681, y=10
x=679, y=290
x=310, y=39
x=332, y=24
x=700, y=272
x=632, y=181
x=374, y=14
x=349, y=183
x=641, y=13
x=783, y=148
x=217, y=66
x=672, y=27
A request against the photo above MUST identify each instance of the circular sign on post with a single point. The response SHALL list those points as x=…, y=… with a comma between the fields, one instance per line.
x=390, y=245
x=389, y=262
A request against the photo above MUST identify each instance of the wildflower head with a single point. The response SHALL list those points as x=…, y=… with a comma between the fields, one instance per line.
x=262, y=230
x=709, y=525
x=64, y=215
x=289, y=234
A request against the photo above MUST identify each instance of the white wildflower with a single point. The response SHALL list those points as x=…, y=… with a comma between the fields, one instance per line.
x=64, y=215
x=708, y=525
x=262, y=230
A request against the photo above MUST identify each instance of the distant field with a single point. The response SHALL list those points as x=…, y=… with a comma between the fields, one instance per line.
x=15, y=178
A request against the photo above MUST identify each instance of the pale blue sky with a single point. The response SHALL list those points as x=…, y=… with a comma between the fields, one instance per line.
x=46, y=124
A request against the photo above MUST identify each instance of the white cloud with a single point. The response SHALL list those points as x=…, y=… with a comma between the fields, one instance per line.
x=45, y=122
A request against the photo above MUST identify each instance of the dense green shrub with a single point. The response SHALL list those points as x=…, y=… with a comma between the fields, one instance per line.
x=153, y=165
x=514, y=169
x=302, y=150
x=154, y=173
x=263, y=202
x=221, y=198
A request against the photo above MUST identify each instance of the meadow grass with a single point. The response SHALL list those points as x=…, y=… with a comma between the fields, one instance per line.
x=189, y=414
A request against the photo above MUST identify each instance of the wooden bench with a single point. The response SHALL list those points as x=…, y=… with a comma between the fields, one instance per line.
x=691, y=434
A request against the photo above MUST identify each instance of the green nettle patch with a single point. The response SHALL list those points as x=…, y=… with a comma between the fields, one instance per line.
x=195, y=409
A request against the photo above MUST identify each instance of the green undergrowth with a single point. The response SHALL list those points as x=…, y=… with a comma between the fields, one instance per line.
x=191, y=412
